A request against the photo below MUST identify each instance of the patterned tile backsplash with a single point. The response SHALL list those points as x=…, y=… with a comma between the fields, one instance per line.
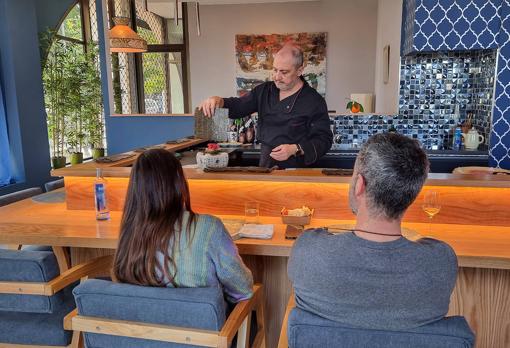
x=437, y=92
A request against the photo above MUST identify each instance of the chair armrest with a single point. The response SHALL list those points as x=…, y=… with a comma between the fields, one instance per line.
x=68, y=319
x=241, y=311
x=58, y=283
x=89, y=268
x=283, y=342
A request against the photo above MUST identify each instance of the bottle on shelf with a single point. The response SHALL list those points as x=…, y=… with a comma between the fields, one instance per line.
x=457, y=138
x=102, y=212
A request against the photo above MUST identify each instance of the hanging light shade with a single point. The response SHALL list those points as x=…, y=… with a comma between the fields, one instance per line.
x=124, y=39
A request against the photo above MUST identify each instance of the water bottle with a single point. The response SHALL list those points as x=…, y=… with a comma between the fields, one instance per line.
x=102, y=212
x=457, y=138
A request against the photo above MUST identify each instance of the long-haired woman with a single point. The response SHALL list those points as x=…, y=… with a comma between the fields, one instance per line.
x=164, y=243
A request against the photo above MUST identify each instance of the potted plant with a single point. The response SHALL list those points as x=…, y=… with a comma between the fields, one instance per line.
x=212, y=157
x=354, y=107
x=55, y=96
x=76, y=104
x=73, y=98
x=92, y=109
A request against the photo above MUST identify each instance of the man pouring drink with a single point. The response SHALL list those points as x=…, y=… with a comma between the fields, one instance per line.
x=293, y=122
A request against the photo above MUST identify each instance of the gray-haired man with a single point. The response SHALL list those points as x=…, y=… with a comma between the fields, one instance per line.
x=293, y=123
x=372, y=277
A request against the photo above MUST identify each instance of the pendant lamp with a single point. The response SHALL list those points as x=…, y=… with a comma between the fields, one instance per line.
x=124, y=39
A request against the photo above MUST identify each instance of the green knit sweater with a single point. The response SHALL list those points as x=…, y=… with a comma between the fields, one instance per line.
x=208, y=257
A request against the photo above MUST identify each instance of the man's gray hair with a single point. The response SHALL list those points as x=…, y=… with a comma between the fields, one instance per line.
x=297, y=53
x=395, y=168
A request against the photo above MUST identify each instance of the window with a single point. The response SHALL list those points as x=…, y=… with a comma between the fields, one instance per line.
x=154, y=82
x=72, y=86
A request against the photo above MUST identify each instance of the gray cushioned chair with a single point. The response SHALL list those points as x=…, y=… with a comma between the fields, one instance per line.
x=53, y=185
x=124, y=315
x=305, y=330
x=19, y=195
x=35, y=297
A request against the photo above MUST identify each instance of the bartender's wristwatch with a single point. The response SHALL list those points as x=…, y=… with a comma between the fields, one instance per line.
x=299, y=150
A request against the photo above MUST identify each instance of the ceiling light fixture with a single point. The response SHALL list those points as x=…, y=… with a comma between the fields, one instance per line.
x=124, y=39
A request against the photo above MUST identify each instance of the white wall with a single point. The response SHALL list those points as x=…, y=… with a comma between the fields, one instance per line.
x=389, y=17
x=352, y=31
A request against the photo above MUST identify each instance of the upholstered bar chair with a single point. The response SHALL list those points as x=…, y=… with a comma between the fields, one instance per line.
x=19, y=195
x=54, y=185
x=35, y=297
x=302, y=329
x=123, y=315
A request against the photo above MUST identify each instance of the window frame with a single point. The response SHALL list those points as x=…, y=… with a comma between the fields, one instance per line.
x=182, y=49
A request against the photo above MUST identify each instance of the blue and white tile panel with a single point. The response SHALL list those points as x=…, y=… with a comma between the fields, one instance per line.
x=455, y=25
x=499, y=153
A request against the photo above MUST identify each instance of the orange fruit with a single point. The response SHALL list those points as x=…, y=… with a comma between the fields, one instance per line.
x=355, y=108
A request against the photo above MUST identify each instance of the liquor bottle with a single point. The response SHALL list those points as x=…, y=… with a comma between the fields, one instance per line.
x=102, y=212
x=457, y=138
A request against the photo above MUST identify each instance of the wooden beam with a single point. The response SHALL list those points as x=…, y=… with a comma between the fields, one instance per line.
x=158, y=332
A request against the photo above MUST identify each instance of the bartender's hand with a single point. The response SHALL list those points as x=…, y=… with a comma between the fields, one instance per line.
x=210, y=104
x=283, y=152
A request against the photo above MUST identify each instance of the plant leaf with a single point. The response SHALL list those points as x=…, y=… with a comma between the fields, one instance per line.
x=349, y=105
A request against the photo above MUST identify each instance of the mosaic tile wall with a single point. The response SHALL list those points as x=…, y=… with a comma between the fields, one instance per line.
x=353, y=130
x=441, y=89
x=437, y=92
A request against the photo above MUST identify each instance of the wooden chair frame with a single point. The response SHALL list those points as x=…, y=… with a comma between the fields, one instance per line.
x=283, y=342
x=237, y=322
x=79, y=272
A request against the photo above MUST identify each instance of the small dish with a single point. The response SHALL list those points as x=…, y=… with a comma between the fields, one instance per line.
x=296, y=220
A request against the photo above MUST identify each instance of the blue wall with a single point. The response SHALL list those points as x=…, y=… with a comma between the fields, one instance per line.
x=130, y=132
x=21, y=79
x=51, y=12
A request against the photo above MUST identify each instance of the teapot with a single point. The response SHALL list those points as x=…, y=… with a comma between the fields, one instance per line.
x=472, y=139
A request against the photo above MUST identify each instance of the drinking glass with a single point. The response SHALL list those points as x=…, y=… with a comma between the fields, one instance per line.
x=251, y=212
x=431, y=205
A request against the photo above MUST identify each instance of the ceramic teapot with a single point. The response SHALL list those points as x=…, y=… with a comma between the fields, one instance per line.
x=472, y=139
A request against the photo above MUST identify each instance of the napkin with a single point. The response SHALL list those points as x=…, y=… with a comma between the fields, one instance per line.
x=256, y=231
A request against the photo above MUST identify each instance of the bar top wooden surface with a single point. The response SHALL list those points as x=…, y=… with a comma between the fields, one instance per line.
x=312, y=175
x=29, y=222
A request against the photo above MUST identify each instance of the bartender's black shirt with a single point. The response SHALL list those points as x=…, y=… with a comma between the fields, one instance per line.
x=301, y=118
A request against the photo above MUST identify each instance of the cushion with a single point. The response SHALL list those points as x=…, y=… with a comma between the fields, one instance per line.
x=38, y=328
x=53, y=185
x=200, y=308
x=19, y=195
x=308, y=330
x=28, y=266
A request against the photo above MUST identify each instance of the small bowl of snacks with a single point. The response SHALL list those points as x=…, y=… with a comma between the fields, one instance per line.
x=299, y=216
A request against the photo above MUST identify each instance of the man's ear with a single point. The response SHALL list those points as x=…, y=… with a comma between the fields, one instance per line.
x=360, y=185
x=300, y=70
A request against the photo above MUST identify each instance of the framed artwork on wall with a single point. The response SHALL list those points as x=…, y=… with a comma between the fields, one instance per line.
x=255, y=55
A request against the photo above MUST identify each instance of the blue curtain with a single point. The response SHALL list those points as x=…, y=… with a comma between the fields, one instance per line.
x=5, y=175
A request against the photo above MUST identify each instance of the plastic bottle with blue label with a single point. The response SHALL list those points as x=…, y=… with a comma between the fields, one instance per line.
x=102, y=212
x=457, y=139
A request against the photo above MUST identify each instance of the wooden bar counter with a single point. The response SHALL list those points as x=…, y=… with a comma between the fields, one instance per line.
x=474, y=219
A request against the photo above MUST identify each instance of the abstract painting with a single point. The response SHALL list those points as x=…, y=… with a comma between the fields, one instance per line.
x=255, y=55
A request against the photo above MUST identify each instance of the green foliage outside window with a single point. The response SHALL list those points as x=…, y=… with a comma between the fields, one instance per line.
x=153, y=66
x=71, y=26
x=73, y=96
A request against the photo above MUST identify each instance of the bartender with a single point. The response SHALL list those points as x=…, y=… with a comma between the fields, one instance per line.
x=293, y=122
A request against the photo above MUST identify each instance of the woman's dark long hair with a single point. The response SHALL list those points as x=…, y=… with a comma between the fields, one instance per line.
x=157, y=197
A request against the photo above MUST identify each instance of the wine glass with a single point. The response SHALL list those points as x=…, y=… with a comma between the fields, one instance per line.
x=431, y=205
